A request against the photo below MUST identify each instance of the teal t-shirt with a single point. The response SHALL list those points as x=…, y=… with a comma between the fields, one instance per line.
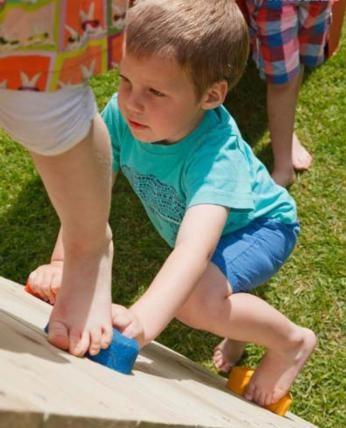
x=212, y=165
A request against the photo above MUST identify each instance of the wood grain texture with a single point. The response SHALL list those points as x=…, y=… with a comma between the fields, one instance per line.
x=43, y=387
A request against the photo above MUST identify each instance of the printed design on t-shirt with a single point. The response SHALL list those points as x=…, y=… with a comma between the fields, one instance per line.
x=159, y=199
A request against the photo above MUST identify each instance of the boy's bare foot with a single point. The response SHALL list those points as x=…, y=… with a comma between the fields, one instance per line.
x=279, y=368
x=81, y=318
x=227, y=354
x=301, y=158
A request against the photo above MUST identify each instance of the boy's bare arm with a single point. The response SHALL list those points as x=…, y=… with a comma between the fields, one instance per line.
x=198, y=236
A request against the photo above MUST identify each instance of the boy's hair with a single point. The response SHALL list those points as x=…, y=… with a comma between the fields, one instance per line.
x=208, y=38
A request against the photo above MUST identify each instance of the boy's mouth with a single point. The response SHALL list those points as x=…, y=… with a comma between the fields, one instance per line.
x=136, y=125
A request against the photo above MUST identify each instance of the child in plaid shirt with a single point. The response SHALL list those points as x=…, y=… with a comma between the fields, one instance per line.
x=287, y=35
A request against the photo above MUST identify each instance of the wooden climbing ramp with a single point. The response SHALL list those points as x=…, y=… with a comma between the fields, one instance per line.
x=43, y=387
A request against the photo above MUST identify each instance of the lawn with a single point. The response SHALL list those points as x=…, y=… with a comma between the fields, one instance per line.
x=310, y=289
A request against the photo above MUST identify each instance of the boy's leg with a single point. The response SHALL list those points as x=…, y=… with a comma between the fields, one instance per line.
x=79, y=185
x=289, y=154
x=248, y=258
x=243, y=317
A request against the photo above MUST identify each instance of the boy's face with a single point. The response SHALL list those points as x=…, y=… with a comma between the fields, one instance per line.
x=157, y=99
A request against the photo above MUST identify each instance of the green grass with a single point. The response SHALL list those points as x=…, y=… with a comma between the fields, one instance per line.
x=310, y=289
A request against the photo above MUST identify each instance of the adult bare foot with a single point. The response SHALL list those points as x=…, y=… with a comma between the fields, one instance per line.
x=81, y=318
x=301, y=158
x=279, y=368
x=227, y=354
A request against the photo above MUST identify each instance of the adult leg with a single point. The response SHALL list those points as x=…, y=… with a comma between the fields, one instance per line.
x=246, y=318
x=280, y=65
x=289, y=154
x=79, y=185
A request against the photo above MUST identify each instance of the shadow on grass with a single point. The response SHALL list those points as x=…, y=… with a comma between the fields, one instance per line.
x=27, y=232
x=247, y=104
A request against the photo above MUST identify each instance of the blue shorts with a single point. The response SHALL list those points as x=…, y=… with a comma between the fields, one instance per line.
x=250, y=256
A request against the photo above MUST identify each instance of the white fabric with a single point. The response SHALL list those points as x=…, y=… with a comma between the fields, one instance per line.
x=47, y=123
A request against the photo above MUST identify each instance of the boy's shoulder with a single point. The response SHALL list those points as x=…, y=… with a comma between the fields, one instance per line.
x=221, y=130
x=218, y=146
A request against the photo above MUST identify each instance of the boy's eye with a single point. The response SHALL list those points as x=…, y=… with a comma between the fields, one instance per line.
x=156, y=93
x=123, y=79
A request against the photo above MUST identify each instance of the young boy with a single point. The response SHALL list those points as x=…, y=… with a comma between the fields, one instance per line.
x=229, y=225
x=287, y=35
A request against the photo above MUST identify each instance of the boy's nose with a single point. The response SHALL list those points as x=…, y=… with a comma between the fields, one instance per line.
x=135, y=103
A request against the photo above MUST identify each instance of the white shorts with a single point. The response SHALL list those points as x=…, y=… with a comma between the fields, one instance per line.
x=47, y=123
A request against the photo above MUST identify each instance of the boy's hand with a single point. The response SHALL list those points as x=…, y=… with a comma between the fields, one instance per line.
x=127, y=323
x=45, y=281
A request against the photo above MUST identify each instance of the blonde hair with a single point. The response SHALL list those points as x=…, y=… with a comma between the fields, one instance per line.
x=208, y=38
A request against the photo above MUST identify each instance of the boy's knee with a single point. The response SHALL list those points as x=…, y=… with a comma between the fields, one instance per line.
x=197, y=310
x=190, y=313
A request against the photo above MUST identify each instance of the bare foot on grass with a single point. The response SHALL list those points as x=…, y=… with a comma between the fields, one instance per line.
x=301, y=158
x=227, y=354
x=285, y=174
x=279, y=368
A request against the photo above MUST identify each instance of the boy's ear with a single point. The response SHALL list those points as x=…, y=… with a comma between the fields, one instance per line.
x=215, y=95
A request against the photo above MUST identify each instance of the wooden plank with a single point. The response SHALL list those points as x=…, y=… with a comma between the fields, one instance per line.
x=43, y=387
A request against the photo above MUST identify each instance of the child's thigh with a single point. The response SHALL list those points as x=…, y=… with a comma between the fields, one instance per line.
x=47, y=123
x=252, y=255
